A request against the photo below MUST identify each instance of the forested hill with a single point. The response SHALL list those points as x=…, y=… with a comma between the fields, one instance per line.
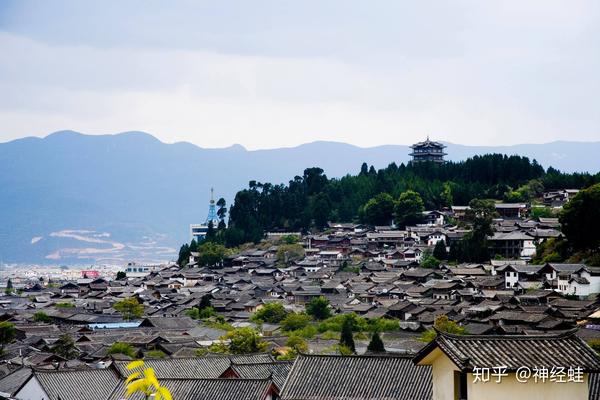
x=310, y=200
x=71, y=198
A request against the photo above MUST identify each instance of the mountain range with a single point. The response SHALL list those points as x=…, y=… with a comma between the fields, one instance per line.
x=71, y=198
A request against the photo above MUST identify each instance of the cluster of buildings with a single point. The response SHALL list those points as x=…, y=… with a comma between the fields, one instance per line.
x=517, y=316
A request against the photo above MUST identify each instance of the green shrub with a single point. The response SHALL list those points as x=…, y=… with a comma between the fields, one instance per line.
x=64, y=305
x=155, y=354
x=295, y=321
x=272, y=313
x=41, y=316
x=122, y=348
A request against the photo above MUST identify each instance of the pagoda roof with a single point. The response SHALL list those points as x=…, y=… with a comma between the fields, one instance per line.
x=428, y=143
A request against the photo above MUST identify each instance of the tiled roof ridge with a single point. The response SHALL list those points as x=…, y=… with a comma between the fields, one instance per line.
x=36, y=370
x=269, y=378
x=561, y=335
x=370, y=355
x=276, y=362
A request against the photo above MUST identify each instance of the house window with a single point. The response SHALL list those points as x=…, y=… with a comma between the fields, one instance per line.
x=460, y=385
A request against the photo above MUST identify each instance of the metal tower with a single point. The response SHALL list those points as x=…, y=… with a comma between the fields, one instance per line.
x=212, y=210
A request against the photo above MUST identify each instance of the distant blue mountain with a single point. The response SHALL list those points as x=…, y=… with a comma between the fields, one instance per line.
x=74, y=198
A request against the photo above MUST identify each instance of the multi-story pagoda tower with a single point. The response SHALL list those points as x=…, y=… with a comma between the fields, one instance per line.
x=428, y=151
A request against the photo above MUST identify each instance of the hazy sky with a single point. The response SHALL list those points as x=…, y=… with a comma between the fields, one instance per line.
x=280, y=73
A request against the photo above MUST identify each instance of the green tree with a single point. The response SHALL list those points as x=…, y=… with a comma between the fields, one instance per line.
x=272, y=313
x=196, y=313
x=65, y=347
x=318, y=308
x=211, y=254
x=376, y=344
x=297, y=344
x=240, y=341
x=184, y=255
x=346, y=338
x=430, y=261
x=321, y=209
x=289, y=253
x=474, y=246
x=211, y=233
x=289, y=239
x=41, y=316
x=9, y=287
x=222, y=213
x=580, y=219
x=409, y=209
x=122, y=348
x=295, y=321
x=121, y=275
x=7, y=334
x=204, y=302
x=446, y=195
x=379, y=210
x=129, y=308
x=439, y=251
x=443, y=324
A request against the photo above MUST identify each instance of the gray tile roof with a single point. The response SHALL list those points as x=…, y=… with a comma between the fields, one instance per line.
x=88, y=384
x=357, y=377
x=10, y=383
x=181, y=368
x=207, y=389
x=565, y=350
x=277, y=370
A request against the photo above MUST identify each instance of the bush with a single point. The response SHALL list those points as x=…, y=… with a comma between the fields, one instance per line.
x=383, y=325
x=129, y=308
x=64, y=305
x=346, y=338
x=443, y=324
x=122, y=348
x=376, y=344
x=336, y=322
x=295, y=321
x=204, y=313
x=218, y=323
x=240, y=341
x=308, y=332
x=155, y=354
x=297, y=344
x=430, y=262
x=41, y=316
x=330, y=335
x=594, y=344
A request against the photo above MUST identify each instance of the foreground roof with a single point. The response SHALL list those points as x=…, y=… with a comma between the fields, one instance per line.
x=357, y=377
x=207, y=389
x=488, y=351
x=87, y=384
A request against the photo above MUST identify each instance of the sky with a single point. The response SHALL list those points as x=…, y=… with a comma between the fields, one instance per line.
x=268, y=74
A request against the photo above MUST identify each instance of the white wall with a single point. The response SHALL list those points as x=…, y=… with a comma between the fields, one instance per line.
x=32, y=390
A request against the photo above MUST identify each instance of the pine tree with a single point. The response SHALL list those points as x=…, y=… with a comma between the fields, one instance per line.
x=204, y=302
x=346, y=338
x=376, y=344
x=439, y=251
x=210, y=232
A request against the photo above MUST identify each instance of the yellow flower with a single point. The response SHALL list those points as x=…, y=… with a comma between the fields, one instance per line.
x=132, y=377
x=135, y=364
x=162, y=393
